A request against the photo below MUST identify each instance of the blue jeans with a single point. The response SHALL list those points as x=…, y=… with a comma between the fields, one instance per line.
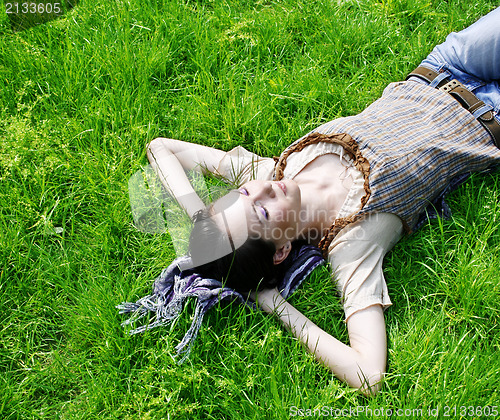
x=472, y=56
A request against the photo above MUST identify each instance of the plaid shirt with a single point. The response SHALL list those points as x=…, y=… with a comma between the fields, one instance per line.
x=419, y=141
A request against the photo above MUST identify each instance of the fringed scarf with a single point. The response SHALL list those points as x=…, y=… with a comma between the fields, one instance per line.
x=175, y=284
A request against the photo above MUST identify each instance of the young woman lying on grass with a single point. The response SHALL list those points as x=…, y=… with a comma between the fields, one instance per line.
x=351, y=187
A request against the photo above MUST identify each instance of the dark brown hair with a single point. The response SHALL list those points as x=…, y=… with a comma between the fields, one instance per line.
x=248, y=267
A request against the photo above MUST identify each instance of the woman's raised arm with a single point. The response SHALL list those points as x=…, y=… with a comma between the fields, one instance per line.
x=171, y=158
x=191, y=156
x=362, y=365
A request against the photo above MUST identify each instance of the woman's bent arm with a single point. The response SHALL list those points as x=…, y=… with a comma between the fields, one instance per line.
x=361, y=365
x=171, y=158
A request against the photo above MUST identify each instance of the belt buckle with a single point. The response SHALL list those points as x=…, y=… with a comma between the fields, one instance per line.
x=451, y=85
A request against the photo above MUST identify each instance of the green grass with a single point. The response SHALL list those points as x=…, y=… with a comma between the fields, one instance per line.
x=81, y=95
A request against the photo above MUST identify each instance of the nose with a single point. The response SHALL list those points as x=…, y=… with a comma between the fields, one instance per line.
x=265, y=191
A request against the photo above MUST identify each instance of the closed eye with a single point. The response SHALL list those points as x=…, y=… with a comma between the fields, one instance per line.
x=264, y=212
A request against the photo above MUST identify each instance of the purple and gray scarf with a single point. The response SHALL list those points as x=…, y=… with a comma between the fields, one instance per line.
x=174, y=285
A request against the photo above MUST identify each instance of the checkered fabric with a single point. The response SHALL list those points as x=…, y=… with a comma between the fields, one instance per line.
x=418, y=141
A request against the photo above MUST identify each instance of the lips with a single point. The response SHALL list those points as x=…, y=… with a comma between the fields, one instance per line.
x=282, y=186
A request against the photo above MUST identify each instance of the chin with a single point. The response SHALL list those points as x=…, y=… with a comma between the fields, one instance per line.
x=292, y=188
x=295, y=193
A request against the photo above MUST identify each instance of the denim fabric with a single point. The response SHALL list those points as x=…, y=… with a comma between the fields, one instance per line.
x=472, y=56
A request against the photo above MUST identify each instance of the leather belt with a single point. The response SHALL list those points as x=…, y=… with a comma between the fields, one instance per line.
x=465, y=97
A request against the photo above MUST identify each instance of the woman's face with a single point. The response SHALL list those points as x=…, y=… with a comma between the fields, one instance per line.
x=265, y=209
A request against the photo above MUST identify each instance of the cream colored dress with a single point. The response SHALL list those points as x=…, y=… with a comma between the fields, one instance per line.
x=357, y=252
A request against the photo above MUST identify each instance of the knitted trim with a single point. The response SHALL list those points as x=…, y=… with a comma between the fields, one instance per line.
x=360, y=162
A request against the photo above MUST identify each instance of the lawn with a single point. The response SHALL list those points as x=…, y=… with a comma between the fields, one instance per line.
x=80, y=97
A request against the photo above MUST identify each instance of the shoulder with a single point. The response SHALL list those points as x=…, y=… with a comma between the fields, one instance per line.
x=240, y=165
x=369, y=238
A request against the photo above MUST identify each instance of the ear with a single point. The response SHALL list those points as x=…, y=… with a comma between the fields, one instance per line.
x=282, y=253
